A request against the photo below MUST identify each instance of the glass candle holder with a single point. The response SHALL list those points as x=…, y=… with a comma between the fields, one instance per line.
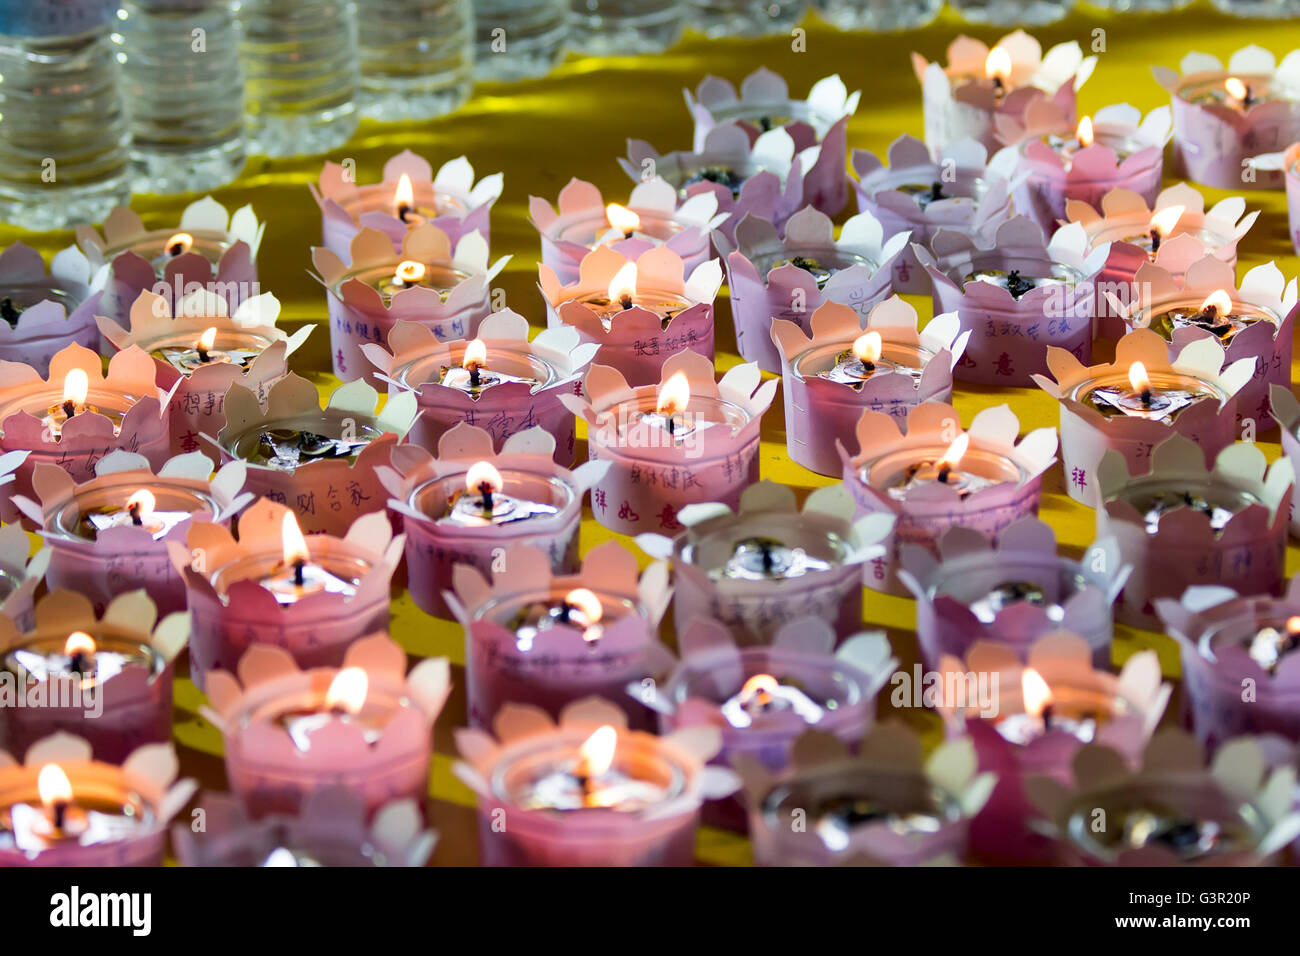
x=243, y=593
x=45, y=311
x=112, y=816
x=290, y=733
x=106, y=679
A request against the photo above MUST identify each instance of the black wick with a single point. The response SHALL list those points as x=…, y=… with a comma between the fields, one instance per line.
x=403, y=211
x=1047, y=717
x=485, y=489
x=936, y=191
x=474, y=379
x=998, y=88
x=203, y=353
x=1155, y=240
x=298, y=567
x=1017, y=285
x=69, y=407
x=1146, y=396
x=133, y=509
x=77, y=663
x=176, y=249
x=625, y=299
x=765, y=552
x=945, y=472
x=8, y=311
x=60, y=809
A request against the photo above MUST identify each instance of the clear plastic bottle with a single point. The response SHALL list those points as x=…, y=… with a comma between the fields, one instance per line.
x=625, y=27
x=723, y=18
x=181, y=72
x=1140, y=6
x=300, y=73
x=63, y=125
x=1008, y=13
x=880, y=16
x=417, y=57
x=519, y=38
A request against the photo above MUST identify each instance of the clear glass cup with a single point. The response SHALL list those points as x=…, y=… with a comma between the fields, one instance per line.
x=878, y=15
x=63, y=122
x=625, y=27
x=300, y=68
x=181, y=73
x=417, y=57
x=517, y=39
x=722, y=18
x=1010, y=13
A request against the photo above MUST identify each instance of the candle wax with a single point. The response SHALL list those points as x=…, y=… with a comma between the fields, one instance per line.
x=852, y=371
x=930, y=471
x=666, y=305
x=1222, y=326
x=455, y=376
x=1013, y=281
x=742, y=710
x=1218, y=504
x=188, y=359
x=284, y=583
x=722, y=175
x=565, y=789
x=761, y=559
x=470, y=509
x=287, y=448
x=301, y=724
x=87, y=821
x=838, y=817
x=923, y=194
x=1189, y=838
x=1163, y=406
x=157, y=523
x=45, y=660
x=536, y=618
x=1269, y=645
x=987, y=607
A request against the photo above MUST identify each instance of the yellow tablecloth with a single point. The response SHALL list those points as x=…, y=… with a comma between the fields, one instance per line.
x=575, y=123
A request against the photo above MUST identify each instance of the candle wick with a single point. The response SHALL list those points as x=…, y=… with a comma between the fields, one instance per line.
x=1146, y=397
x=133, y=510
x=474, y=378
x=765, y=550
x=625, y=300
x=998, y=88
x=299, y=566
x=175, y=249
x=945, y=470
x=564, y=612
x=485, y=489
x=77, y=662
x=1155, y=240
x=60, y=809
x=868, y=366
x=403, y=211
x=203, y=353
x=1047, y=717
x=69, y=407
x=627, y=234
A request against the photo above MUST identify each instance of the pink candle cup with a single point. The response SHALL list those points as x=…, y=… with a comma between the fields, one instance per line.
x=46, y=311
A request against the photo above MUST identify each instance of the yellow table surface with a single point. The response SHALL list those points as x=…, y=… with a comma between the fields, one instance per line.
x=575, y=122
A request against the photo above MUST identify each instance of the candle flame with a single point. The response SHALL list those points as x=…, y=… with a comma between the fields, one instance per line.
x=179, y=244
x=53, y=785
x=1293, y=623
x=76, y=385
x=404, y=195
x=1083, y=133
x=78, y=642
x=760, y=686
x=295, y=545
x=1137, y=377
x=674, y=394
x=622, y=218
x=145, y=499
x=410, y=271
x=586, y=603
x=998, y=64
x=597, y=752
x=623, y=283
x=868, y=346
x=1164, y=221
x=956, y=451
x=1236, y=89
x=475, y=354
x=1037, y=695
x=208, y=338
x=347, y=691
x=1220, y=300
x=482, y=473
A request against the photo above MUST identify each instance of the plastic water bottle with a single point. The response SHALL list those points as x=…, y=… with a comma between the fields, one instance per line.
x=417, y=57
x=1025, y=13
x=181, y=72
x=519, y=38
x=1140, y=6
x=723, y=18
x=625, y=27
x=63, y=127
x=300, y=72
x=878, y=15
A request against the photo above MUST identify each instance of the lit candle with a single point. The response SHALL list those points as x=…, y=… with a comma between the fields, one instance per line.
x=1154, y=501
x=1017, y=283
x=623, y=224
x=404, y=206
x=91, y=661
x=297, y=576
x=76, y=388
x=997, y=67
x=482, y=502
x=174, y=247
x=1160, y=400
x=473, y=375
x=763, y=695
x=624, y=293
x=139, y=510
x=1075, y=712
x=863, y=359
x=590, y=780
x=1216, y=314
x=580, y=608
x=60, y=816
x=671, y=403
x=944, y=470
x=347, y=700
x=1163, y=224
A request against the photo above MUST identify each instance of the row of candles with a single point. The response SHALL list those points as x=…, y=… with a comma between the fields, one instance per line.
x=679, y=439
